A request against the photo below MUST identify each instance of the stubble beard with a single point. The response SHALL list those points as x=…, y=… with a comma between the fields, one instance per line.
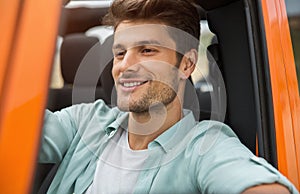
x=153, y=97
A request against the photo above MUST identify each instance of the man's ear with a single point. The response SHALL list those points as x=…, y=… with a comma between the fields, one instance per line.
x=188, y=63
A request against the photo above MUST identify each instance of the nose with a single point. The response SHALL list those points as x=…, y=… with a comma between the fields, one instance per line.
x=128, y=62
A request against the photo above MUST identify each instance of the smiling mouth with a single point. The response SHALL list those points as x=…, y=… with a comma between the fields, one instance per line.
x=133, y=84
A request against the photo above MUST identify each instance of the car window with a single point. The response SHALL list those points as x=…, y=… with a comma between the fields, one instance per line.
x=206, y=39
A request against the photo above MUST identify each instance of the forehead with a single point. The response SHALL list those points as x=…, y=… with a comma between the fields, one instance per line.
x=130, y=34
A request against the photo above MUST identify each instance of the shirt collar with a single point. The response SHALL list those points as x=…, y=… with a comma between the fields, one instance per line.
x=171, y=137
x=121, y=120
x=167, y=140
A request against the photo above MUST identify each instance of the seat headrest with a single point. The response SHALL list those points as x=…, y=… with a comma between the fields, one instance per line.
x=73, y=50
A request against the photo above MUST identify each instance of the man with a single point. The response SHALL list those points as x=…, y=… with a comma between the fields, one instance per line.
x=149, y=144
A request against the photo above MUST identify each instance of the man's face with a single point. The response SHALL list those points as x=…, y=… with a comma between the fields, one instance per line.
x=145, y=66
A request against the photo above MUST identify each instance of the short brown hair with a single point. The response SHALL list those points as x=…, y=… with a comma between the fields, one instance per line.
x=181, y=14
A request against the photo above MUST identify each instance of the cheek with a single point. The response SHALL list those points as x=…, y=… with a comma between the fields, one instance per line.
x=115, y=72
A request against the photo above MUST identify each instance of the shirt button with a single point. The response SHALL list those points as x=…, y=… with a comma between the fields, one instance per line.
x=112, y=134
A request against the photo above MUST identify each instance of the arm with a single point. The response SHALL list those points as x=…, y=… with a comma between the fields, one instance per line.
x=274, y=188
x=58, y=132
x=229, y=167
x=61, y=127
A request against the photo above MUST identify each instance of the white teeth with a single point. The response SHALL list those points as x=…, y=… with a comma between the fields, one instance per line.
x=132, y=84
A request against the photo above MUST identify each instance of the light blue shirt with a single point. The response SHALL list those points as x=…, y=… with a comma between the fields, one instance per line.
x=190, y=157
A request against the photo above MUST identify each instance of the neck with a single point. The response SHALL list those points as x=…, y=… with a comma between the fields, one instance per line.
x=143, y=128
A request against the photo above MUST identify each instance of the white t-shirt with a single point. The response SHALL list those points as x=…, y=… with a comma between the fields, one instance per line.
x=118, y=167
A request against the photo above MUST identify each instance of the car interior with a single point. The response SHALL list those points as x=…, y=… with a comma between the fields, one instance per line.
x=235, y=48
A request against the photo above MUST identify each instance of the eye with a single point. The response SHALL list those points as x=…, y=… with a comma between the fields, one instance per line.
x=119, y=54
x=148, y=51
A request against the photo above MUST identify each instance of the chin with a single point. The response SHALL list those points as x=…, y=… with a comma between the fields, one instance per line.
x=134, y=107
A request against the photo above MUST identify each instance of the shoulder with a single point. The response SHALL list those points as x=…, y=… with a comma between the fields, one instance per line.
x=208, y=135
x=97, y=108
x=215, y=144
x=82, y=114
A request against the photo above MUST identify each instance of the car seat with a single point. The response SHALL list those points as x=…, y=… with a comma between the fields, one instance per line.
x=85, y=66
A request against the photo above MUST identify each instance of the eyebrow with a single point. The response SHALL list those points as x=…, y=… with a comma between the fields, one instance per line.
x=139, y=43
